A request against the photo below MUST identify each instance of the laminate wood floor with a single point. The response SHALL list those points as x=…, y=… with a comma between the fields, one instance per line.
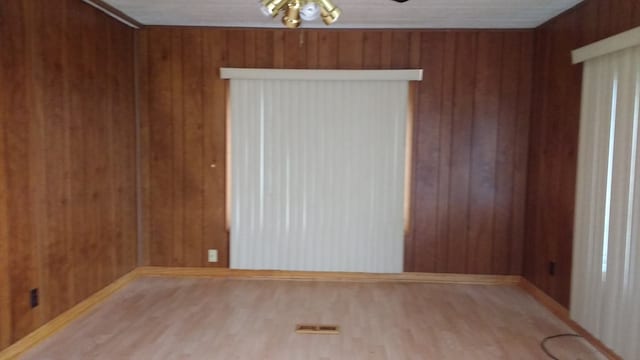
x=179, y=318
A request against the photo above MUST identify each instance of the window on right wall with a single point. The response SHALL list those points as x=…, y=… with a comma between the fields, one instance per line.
x=605, y=297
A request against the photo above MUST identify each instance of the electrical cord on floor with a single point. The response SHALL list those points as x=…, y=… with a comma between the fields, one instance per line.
x=544, y=341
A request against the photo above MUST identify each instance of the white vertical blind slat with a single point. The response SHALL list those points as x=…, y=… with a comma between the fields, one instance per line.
x=605, y=296
x=318, y=172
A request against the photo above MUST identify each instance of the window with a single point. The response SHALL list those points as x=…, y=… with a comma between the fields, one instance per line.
x=606, y=263
x=318, y=171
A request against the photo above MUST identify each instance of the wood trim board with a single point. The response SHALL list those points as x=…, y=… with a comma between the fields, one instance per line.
x=429, y=278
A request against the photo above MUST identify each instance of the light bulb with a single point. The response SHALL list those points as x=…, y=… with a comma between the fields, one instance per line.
x=310, y=11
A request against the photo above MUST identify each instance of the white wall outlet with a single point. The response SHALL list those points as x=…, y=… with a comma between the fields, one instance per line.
x=213, y=256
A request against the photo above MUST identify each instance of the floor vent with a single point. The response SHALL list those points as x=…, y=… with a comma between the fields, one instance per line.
x=318, y=329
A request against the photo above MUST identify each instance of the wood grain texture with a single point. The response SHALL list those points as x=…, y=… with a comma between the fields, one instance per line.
x=5, y=280
x=554, y=136
x=63, y=320
x=175, y=318
x=470, y=139
x=67, y=176
x=409, y=277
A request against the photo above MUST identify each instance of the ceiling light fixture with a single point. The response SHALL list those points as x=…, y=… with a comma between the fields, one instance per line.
x=297, y=10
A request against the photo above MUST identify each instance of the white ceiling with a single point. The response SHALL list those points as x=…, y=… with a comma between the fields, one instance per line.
x=479, y=14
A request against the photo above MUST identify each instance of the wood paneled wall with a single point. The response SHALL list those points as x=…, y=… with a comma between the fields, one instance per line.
x=554, y=136
x=67, y=158
x=470, y=143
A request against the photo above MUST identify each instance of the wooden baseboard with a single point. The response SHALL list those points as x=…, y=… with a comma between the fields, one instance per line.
x=64, y=319
x=428, y=278
x=563, y=314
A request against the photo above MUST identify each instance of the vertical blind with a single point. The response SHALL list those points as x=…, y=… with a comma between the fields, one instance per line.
x=317, y=174
x=605, y=297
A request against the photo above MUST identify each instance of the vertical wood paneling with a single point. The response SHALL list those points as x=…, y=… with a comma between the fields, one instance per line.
x=67, y=158
x=57, y=162
x=23, y=248
x=554, y=136
x=521, y=153
x=461, y=147
x=386, y=50
x=193, y=164
x=328, y=50
x=506, y=141
x=176, y=121
x=312, y=48
x=350, y=49
x=447, y=88
x=263, y=48
x=278, y=50
x=5, y=278
x=250, y=49
x=124, y=155
x=235, y=45
x=470, y=138
x=78, y=199
x=215, y=230
x=371, y=43
x=295, y=55
x=143, y=59
x=161, y=147
x=94, y=136
x=422, y=253
x=400, y=49
x=484, y=141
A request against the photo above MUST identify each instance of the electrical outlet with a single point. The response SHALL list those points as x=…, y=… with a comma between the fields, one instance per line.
x=34, y=297
x=213, y=256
